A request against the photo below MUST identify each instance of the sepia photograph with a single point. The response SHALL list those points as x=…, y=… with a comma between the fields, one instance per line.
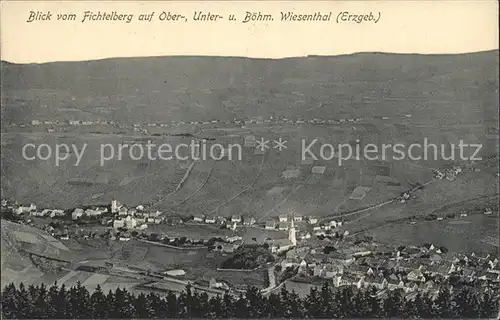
x=249, y=159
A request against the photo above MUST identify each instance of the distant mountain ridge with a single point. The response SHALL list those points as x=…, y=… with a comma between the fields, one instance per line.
x=252, y=58
x=204, y=88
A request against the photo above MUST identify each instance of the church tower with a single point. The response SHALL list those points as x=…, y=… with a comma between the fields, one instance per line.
x=291, y=232
x=115, y=206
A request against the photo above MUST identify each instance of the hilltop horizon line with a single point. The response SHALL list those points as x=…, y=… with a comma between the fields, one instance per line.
x=252, y=58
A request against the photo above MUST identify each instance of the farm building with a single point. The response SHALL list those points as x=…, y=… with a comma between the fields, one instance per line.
x=77, y=213
x=270, y=225
x=359, y=193
x=140, y=220
x=248, y=221
x=143, y=226
x=306, y=236
x=318, y=169
x=210, y=220
x=155, y=214
x=118, y=224
x=236, y=219
x=283, y=218
x=233, y=239
x=313, y=220
x=175, y=273
x=122, y=211
x=198, y=218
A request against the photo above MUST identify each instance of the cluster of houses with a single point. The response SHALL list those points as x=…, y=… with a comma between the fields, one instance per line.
x=79, y=213
x=283, y=222
x=116, y=214
x=123, y=217
x=448, y=173
x=138, y=127
x=32, y=210
x=36, y=122
x=230, y=223
x=412, y=269
x=132, y=218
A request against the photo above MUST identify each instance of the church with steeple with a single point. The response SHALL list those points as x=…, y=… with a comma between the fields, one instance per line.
x=291, y=232
x=281, y=245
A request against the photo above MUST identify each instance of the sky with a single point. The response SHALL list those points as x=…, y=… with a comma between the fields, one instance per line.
x=426, y=27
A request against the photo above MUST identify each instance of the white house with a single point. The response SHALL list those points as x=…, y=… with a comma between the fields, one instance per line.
x=234, y=239
x=122, y=212
x=118, y=223
x=175, y=273
x=155, y=214
x=313, y=220
x=283, y=218
x=23, y=209
x=287, y=263
x=231, y=225
x=198, y=218
x=130, y=222
x=77, y=213
x=249, y=221
x=341, y=280
x=306, y=236
x=140, y=220
x=92, y=213
x=236, y=219
x=210, y=220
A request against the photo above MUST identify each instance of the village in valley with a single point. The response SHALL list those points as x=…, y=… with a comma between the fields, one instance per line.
x=298, y=251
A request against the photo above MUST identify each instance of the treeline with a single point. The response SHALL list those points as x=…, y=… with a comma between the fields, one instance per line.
x=59, y=302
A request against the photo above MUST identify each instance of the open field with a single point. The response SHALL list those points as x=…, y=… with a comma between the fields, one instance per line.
x=465, y=234
x=16, y=265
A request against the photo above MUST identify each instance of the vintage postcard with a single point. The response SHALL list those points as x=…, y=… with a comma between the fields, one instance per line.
x=249, y=159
